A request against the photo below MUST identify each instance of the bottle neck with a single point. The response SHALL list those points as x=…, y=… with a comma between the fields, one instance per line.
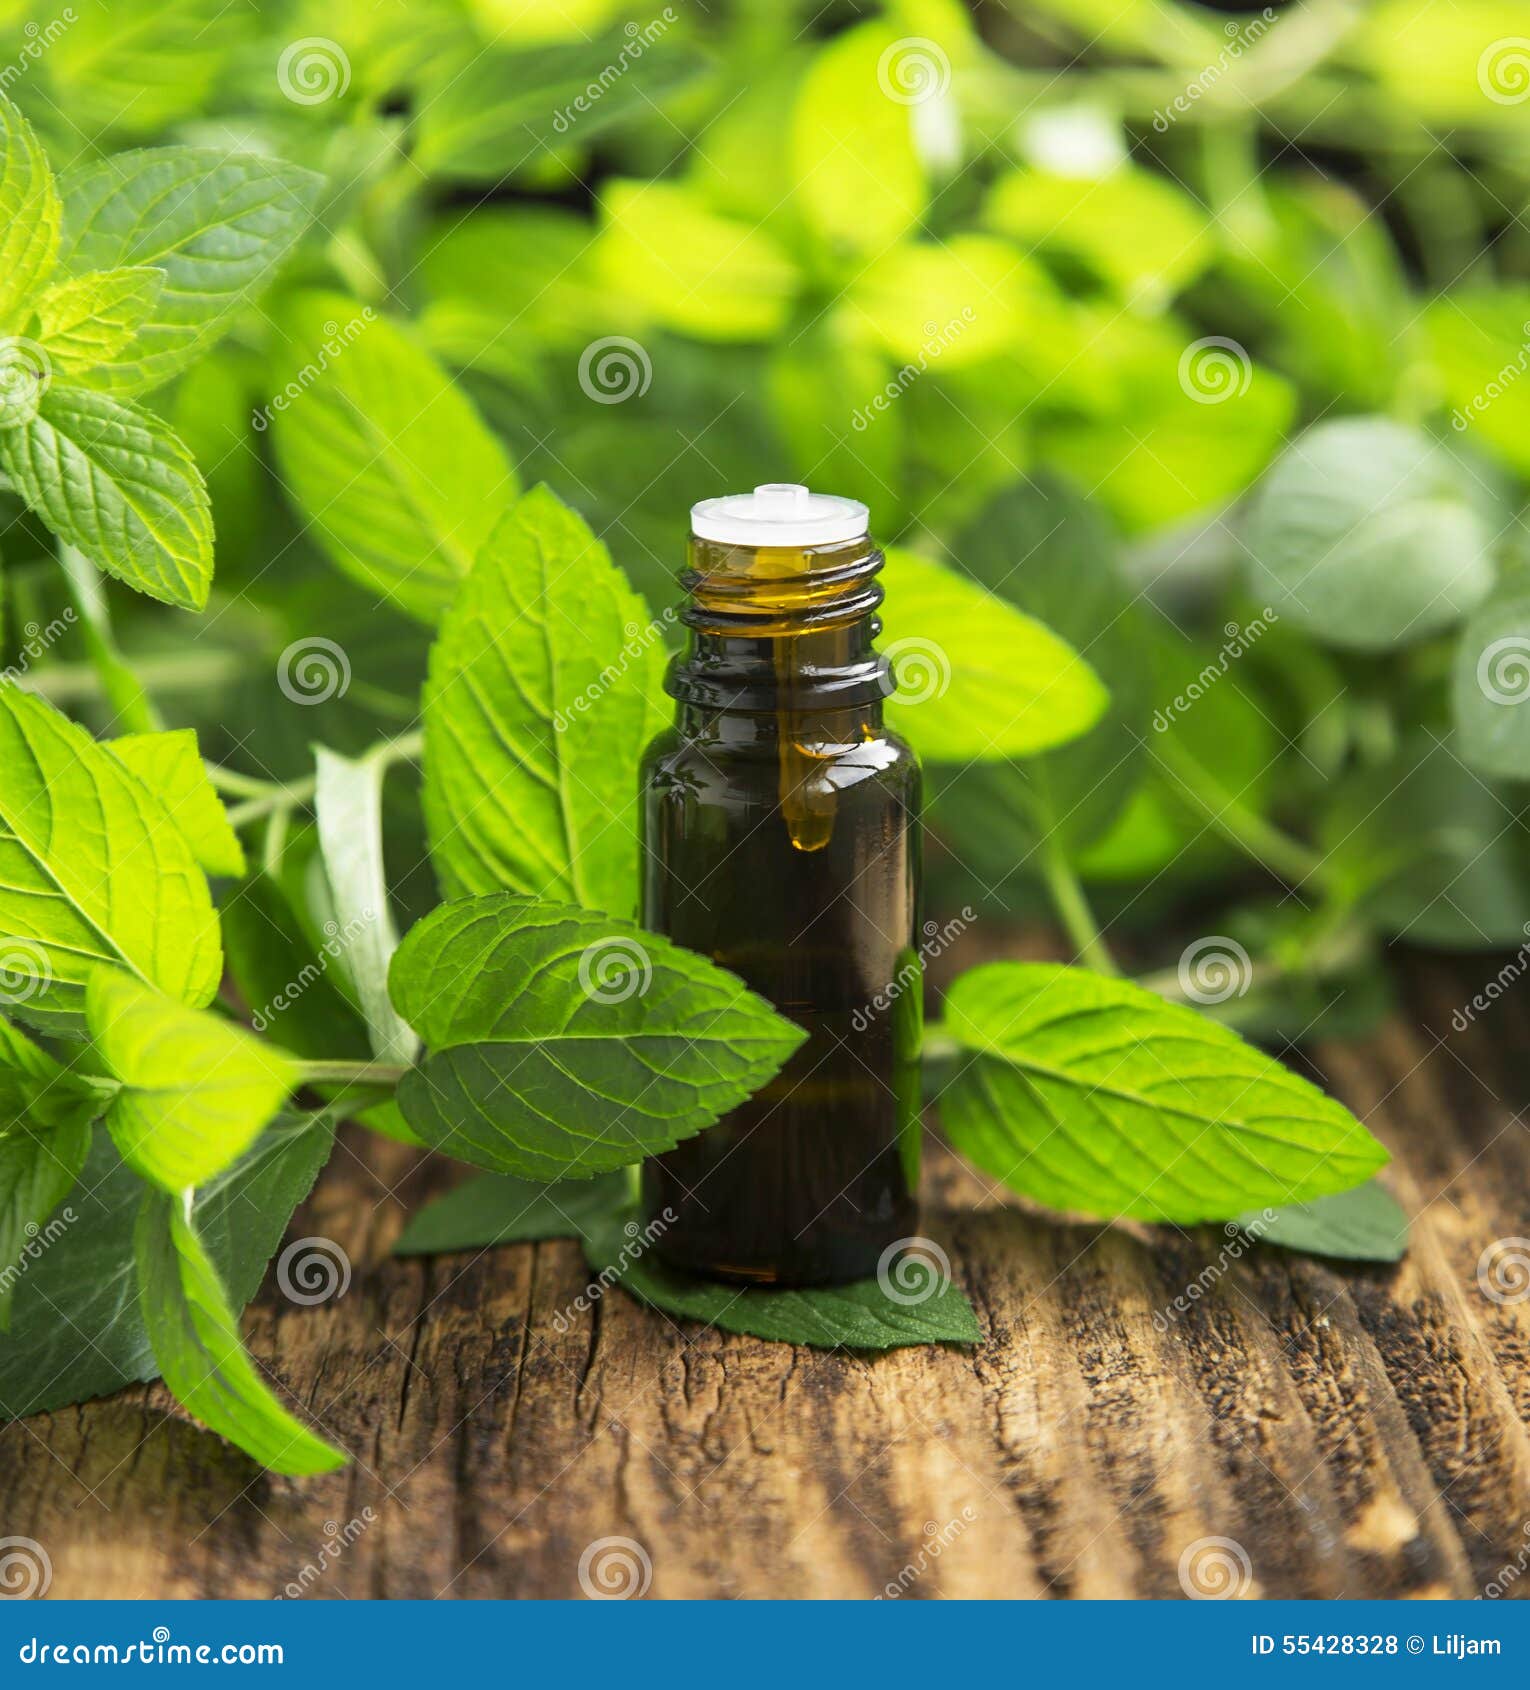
x=775, y=631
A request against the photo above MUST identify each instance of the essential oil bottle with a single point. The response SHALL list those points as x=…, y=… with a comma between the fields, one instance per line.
x=781, y=838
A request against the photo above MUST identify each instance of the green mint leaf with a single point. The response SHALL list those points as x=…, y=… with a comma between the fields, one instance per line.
x=564, y=1043
x=196, y=1090
x=543, y=690
x=1091, y=1094
x=38, y=1092
x=1369, y=535
x=47, y=1362
x=390, y=463
x=29, y=217
x=170, y=765
x=95, y=871
x=348, y=807
x=195, y=1334
x=485, y=119
x=862, y=1316
x=496, y=1209
x=1363, y=1225
x=37, y=1172
x=117, y=483
x=1490, y=679
x=977, y=679
x=217, y=224
x=89, y=320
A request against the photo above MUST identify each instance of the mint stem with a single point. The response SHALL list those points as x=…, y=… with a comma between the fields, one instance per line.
x=133, y=709
x=385, y=1074
x=1073, y=911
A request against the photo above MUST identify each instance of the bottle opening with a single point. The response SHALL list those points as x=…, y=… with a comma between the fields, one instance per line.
x=780, y=513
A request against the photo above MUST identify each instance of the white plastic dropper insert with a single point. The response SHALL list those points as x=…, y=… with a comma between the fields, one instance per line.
x=780, y=513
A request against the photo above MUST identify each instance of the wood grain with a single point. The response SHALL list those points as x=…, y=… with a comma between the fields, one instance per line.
x=1353, y=1431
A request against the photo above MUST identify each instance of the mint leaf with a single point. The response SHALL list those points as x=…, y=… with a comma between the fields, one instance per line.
x=195, y=1334
x=1369, y=535
x=217, y=224
x=37, y=1171
x=29, y=217
x=397, y=475
x=1363, y=1225
x=348, y=806
x=170, y=765
x=543, y=690
x=860, y=1316
x=496, y=1209
x=502, y=111
x=196, y=1090
x=564, y=1043
x=118, y=484
x=977, y=679
x=123, y=889
x=1092, y=1094
x=38, y=1092
x=91, y=319
x=76, y=1330
x=1490, y=680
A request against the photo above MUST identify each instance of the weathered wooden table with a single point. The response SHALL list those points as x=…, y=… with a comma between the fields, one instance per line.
x=1351, y=1431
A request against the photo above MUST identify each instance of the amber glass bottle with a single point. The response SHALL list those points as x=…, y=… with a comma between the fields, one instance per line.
x=781, y=839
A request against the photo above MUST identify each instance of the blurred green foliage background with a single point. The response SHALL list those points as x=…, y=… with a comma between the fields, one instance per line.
x=1198, y=332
